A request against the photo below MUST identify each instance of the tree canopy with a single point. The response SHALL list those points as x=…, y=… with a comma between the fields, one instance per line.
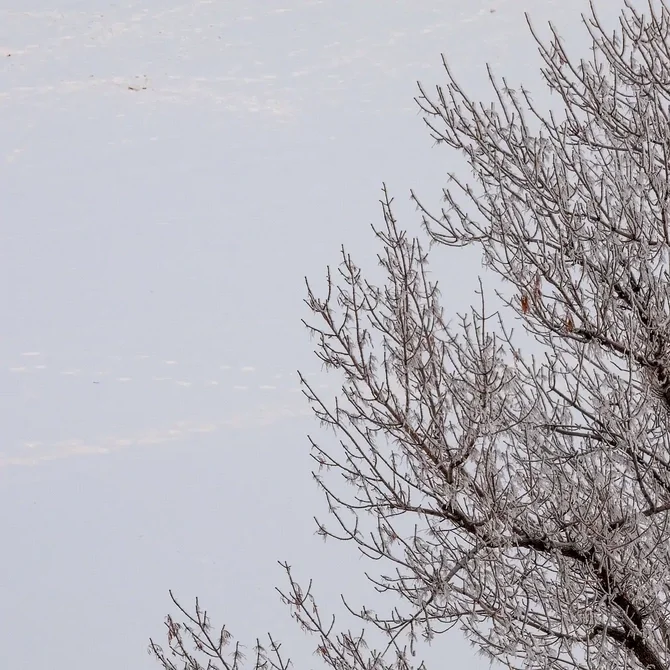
x=524, y=498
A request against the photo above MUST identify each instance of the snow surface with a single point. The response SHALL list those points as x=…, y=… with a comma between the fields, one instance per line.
x=169, y=173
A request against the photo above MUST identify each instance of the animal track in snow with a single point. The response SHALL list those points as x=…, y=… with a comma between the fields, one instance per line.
x=107, y=369
x=113, y=402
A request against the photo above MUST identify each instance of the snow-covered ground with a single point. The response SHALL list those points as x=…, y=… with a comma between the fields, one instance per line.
x=169, y=173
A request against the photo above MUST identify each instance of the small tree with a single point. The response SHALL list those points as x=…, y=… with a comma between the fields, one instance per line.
x=524, y=498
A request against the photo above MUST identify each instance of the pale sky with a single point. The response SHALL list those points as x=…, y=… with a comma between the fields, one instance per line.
x=169, y=173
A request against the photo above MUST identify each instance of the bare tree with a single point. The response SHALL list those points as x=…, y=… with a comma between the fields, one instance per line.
x=523, y=498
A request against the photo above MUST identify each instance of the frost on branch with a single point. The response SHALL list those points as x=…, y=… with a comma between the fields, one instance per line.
x=524, y=499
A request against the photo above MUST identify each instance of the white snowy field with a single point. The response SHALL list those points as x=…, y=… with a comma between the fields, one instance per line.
x=169, y=173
